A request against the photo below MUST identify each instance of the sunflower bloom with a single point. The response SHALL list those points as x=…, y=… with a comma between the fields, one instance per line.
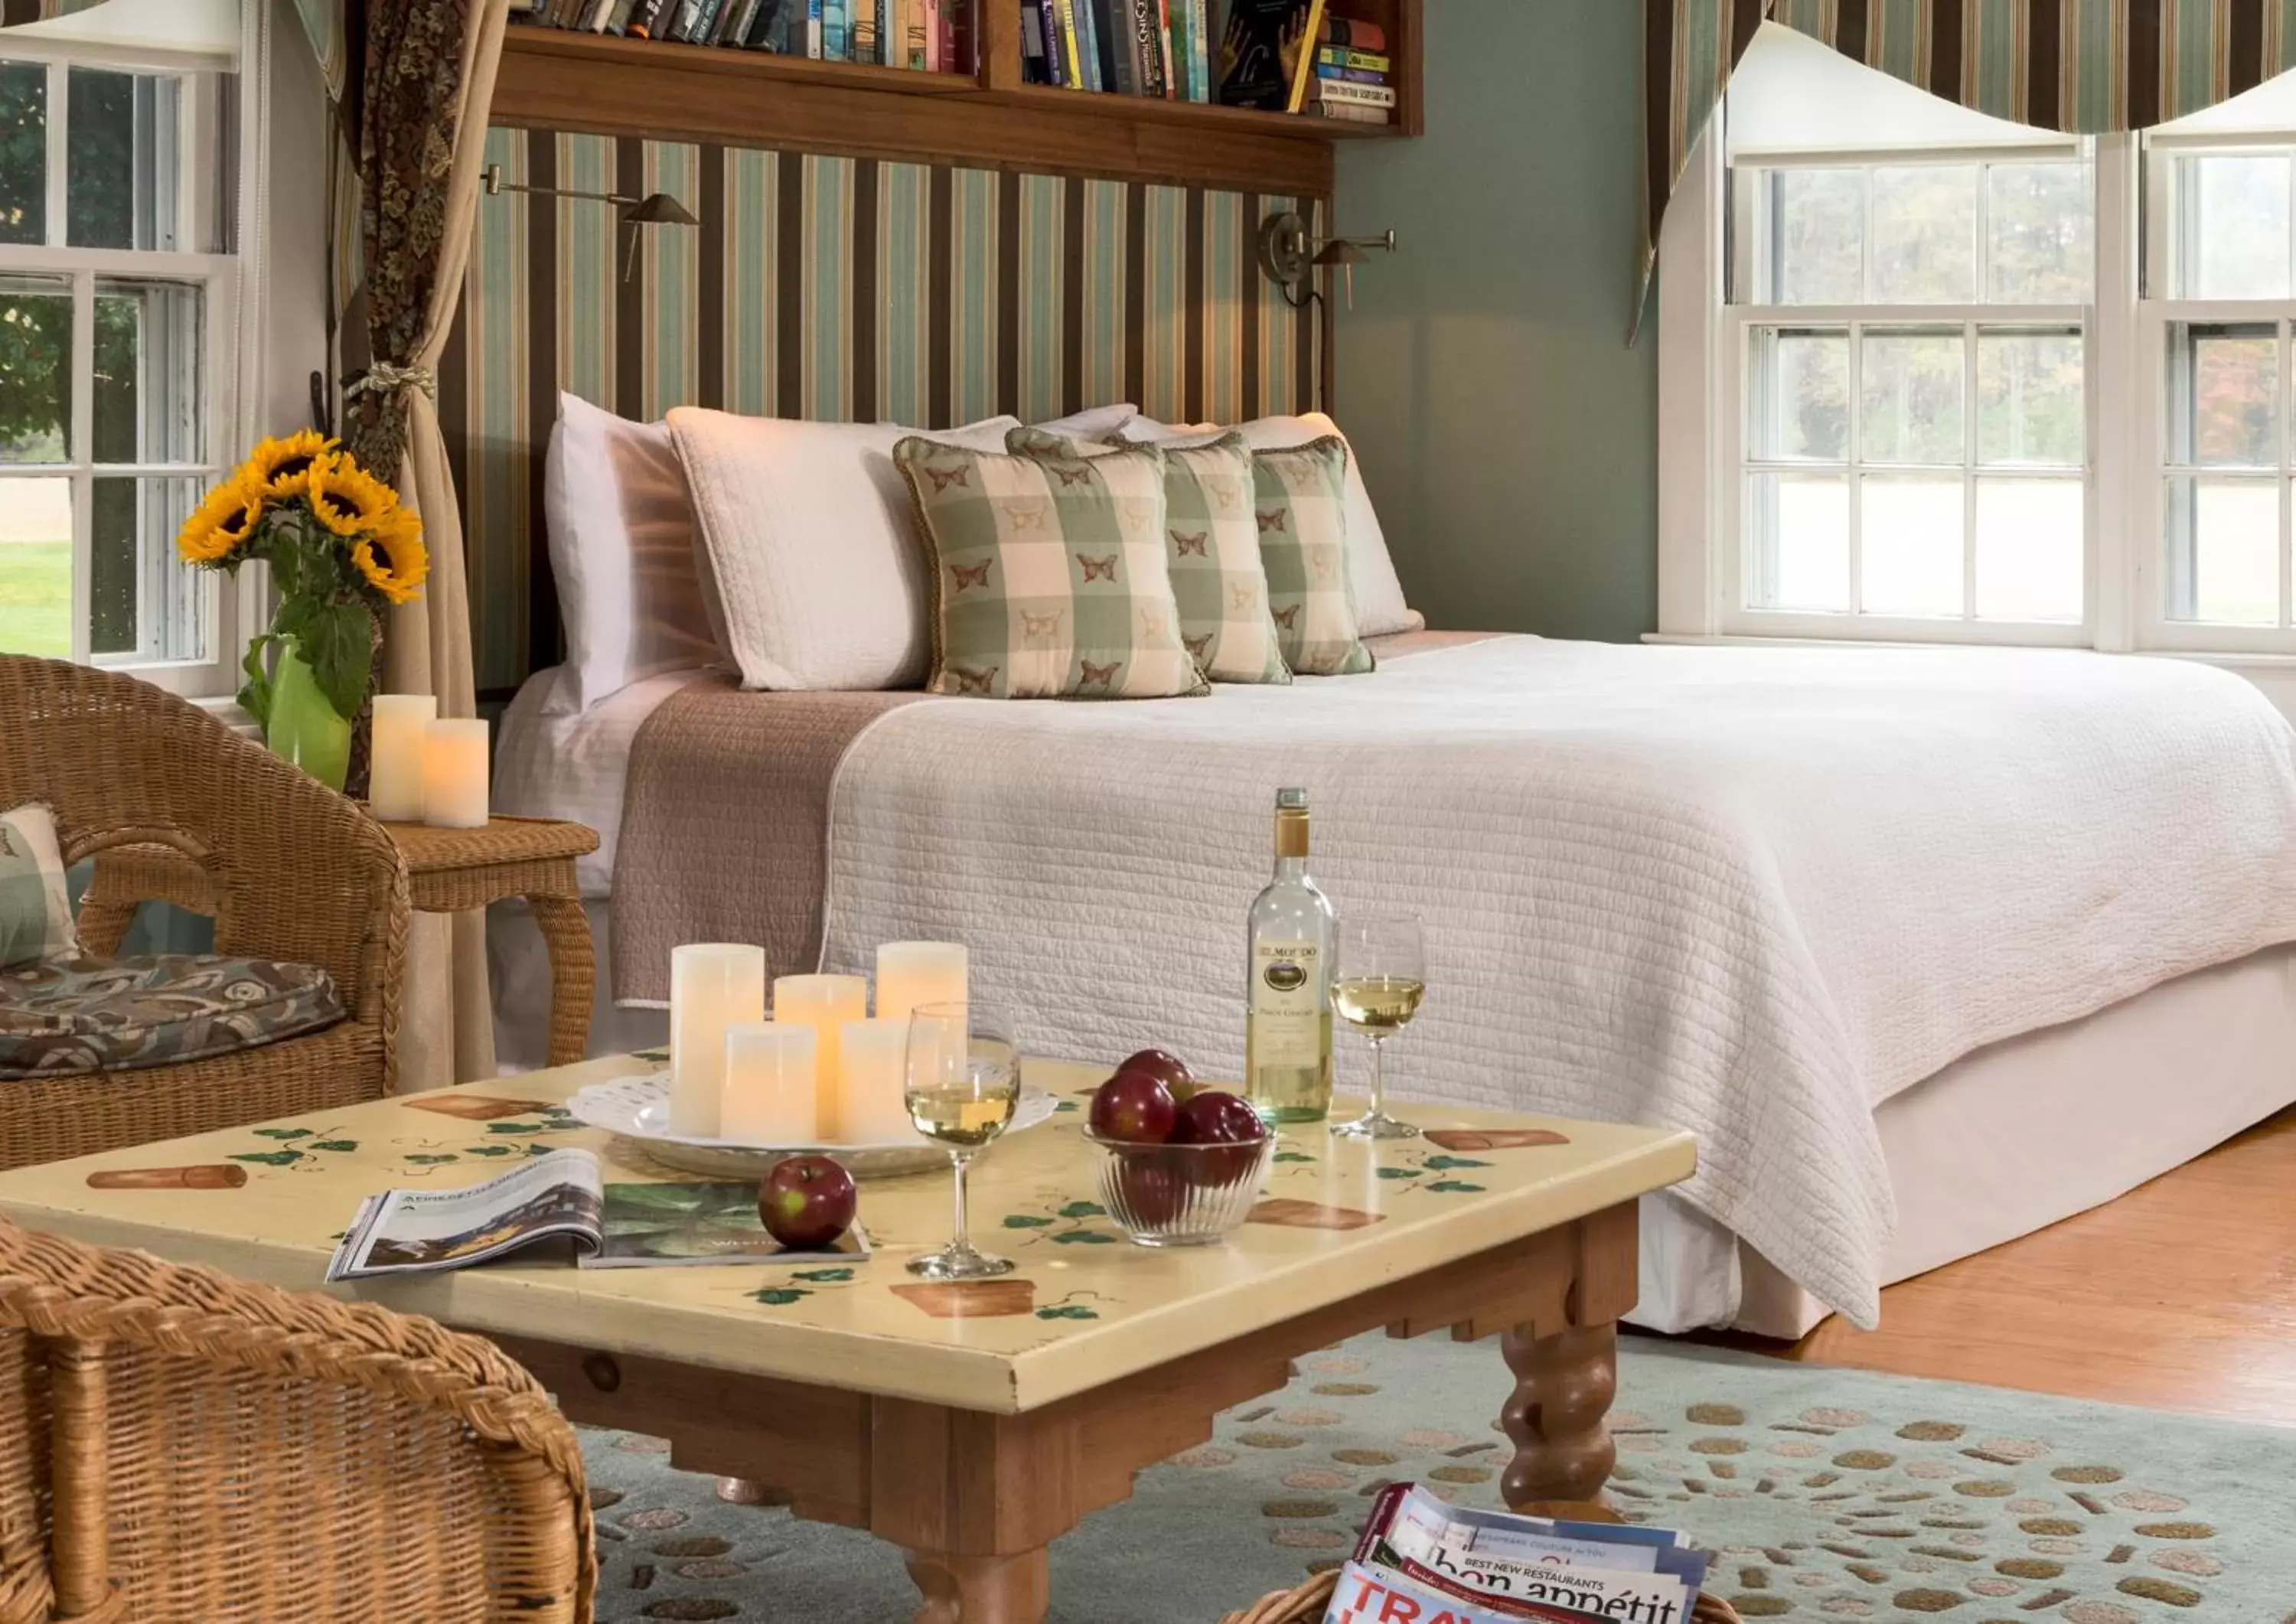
x=225, y=521
x=279, y=465
x=392, y=557
x=346, y=498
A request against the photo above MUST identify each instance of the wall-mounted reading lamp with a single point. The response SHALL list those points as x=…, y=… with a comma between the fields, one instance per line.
x=1290, y=257
x=654, y=209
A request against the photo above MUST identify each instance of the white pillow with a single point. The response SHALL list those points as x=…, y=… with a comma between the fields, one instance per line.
x=1094, y=423
x=809, y=547
x=1380, y=608
x=621, y=547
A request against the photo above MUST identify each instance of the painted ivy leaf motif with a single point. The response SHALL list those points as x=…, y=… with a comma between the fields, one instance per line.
x=332, y=1145
x=429, y=1161
x=1084, y=1237
x=1084, y=1209
x=1066, y=1311
x=492, y=1150
x=515, y=1127
x=282, y=1132
x=1292, y=1156
x=269, y=1159
x=1444, y=1164
x=660, y=1056
x=1455, y=1186
x=778, y=1296
x=537, y=1150
x=1026, y=1220
x=825, y=1276
x=1399, y=1172
x=1059, y=1105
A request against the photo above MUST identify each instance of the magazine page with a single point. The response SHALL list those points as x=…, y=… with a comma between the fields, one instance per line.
x=414, y=1231
x=655, y=1226
x=1370, y=1594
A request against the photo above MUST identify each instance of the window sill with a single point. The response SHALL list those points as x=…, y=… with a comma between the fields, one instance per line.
x=228, y=711
x=2276, y=665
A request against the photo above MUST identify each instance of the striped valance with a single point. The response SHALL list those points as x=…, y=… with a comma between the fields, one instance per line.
x=2087, y=67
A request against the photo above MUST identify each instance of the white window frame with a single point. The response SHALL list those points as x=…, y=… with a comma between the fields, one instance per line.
x=230, y=605
x=1703, y=342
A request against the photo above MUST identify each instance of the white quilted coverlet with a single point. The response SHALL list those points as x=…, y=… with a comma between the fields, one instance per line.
x=1747, y=892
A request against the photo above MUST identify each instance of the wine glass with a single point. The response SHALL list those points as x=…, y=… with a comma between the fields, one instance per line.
x=1380, y=976
x=963, y=1086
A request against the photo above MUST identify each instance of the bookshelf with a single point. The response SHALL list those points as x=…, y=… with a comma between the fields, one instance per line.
x=554, y=78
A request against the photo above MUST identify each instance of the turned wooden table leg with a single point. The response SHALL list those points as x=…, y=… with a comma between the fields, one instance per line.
x=1563, y=1386
x=981, y=1589
x=573, y=974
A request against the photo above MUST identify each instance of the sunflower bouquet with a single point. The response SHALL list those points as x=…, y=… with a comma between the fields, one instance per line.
x=341, y=549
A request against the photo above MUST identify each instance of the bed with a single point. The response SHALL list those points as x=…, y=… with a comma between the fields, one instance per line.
x=1911, y=939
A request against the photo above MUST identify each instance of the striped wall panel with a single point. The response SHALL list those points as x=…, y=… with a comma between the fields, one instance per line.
x=832, y=288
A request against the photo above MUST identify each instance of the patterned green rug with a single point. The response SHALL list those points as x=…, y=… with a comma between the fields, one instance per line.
x=1830, y=1494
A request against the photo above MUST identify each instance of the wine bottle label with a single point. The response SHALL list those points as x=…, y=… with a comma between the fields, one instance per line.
x=1287, y=1005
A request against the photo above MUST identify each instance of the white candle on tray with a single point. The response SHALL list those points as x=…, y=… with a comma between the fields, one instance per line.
x=712, y=986
x=825, y=1002
x=395, y=786
x=455, y=773
x=875, y=1106
x=768, y=1097
x=910, y=973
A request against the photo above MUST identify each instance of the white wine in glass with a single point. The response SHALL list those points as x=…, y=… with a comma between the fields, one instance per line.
x=962, y=1087
x=1382, y=978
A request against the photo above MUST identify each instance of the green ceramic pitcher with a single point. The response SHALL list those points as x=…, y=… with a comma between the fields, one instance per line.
x=303, y=727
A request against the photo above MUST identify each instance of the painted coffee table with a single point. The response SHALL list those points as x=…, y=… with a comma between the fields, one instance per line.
x=970, y=1423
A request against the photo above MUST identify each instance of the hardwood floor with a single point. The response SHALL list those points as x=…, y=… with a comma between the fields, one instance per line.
x=2180, y=1296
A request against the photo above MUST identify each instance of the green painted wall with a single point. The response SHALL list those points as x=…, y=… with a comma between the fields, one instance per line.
x=1509, y=436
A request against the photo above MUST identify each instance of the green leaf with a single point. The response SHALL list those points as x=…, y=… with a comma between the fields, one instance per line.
x=513, y=1128
x=1084, y=1209
x=776, y=1296
x=341, y=647
x=283, y=1133
x=1292, y=1156
x=1453, y=1186
x=270, y=1159
x=493, y=1150
x=1025, y=1220
x=1441, y=1164
x=826, y=1276
x=1066, y=1311
x=332, y=1145
x=1084, y=1237
x=1399, y=1172
x=429, y=1161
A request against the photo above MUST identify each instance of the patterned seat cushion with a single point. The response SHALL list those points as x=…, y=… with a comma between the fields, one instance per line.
x=68, y=1017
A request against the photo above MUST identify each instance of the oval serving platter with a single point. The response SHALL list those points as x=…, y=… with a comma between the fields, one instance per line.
x=637, y=1108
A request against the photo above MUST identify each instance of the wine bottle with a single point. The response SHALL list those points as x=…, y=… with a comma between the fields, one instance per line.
x=1288, y=981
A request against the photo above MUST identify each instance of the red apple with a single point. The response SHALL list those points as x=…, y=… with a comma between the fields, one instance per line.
x=1163, y=1065
x=1134, y=1107
x=1216, y=1118
x=1150, y=1186
x=807, y=1201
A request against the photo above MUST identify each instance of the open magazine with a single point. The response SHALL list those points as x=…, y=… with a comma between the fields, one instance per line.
x=1421, y=1559
x=564, y=1193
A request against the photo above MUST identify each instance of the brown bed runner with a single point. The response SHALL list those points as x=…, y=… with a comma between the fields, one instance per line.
x=725, y=824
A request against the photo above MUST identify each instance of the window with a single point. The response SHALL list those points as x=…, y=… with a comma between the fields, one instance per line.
x=117, y=359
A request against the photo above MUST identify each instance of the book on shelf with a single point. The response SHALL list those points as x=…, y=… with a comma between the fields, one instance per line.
x=1091, y=70
x=1340, y=56
x=563, y=1195
x=1069, y=32
x=1349, y=76
x=1345, y=91
x=1263, y=59
x=1349, y=112
x=1353, y=34
x=1419, y=1558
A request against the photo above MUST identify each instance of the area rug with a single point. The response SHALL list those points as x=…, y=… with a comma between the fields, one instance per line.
x=1824, y=1493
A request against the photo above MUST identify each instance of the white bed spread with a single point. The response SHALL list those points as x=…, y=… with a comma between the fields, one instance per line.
x=1748, y=893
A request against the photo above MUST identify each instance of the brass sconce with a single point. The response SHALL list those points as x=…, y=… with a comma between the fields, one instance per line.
x=1290, y=257
x=654, y=209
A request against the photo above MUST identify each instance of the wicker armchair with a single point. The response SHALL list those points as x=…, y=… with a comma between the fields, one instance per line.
x=180, y=1448
x=301, y=875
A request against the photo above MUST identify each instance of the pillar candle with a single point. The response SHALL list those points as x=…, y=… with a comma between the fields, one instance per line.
x=401, y=722
x=910, y=973
x=455, y=773
x=769, y=1098
x=712, y=986
x=875, y=1105
x=825, y=1002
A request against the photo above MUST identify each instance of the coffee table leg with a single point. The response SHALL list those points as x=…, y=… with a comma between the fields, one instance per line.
x=1563, y=1385
x=981, y=1589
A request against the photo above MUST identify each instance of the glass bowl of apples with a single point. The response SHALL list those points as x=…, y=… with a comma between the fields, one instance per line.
x=1179, y=1165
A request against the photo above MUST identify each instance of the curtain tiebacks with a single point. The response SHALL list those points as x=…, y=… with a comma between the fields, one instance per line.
x=387, y=379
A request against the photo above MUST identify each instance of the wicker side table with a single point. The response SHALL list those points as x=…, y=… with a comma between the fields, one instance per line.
x=448, y=871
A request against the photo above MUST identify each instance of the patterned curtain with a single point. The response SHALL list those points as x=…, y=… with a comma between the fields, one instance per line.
x=2087, y=67
x=426, y=84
